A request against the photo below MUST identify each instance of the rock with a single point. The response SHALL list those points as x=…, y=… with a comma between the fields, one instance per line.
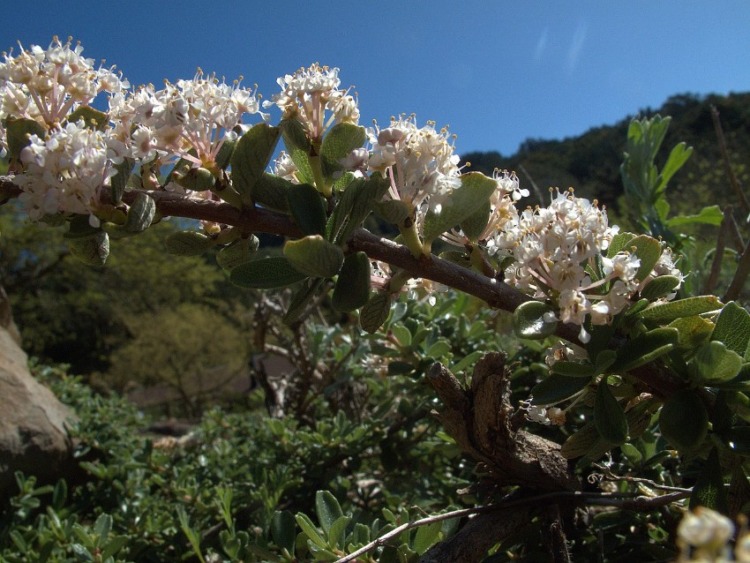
x=33, y=422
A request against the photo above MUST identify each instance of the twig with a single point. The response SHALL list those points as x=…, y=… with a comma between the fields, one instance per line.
x=382, y=540
x=721, y=242
x=733, y=181
x=620, y=500
x=740, y=276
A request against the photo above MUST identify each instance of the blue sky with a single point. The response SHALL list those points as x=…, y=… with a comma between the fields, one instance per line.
x=497, y=72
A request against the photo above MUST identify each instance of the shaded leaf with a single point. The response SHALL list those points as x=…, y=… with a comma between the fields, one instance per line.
x=327, y=509
x=556, y=388
x=375, y=312
x=188, y=243
x=609, y=416
x=645, y=348
x=715, y=363
x=266, y=273
x=250, y=158
x=307, y=208
x=733, y=328
x=353, y=284
x=683, y=420
x=709, y=489
x=340, y=140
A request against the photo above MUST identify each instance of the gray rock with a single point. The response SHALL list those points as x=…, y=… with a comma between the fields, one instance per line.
x=33, y=422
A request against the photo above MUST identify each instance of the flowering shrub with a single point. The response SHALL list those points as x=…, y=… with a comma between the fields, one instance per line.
x=644, y=374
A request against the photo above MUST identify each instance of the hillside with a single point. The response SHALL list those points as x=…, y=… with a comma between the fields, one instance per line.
x=590, y=162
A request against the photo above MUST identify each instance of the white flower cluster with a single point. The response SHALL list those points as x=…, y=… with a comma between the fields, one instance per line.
x=47, y=84
x=191, y=119
x=555, y=251
x=704, y=535
x=64, y=171
x=419, y=161
x=308, y=93
x=64, y=167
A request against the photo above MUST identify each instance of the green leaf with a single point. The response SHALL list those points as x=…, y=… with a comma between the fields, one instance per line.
x=621, y=241
x=251, y=157
x=140, y=214
x=188, y=243
x=270, y=191
x=300, y=304
x=375, y=312
x=683, y=420
x=102, y=528
x=711, y=215
x=667, y=312
x=327, y=509
x=283, y=530
x=677, y=158
x=693, y=331
x=733, y=328
x=609, y=416
x=715, y=363
x=394, y=211
x=659, y=287
x=402, y=334
x=338, y=143
x=648, y=250
x=336, y=534
x=120, y=180
x=354, y=205
x=307, y=209
x=92, y=118
x=299, y=148
x=556, y=388
x=18, y=132
x=267, y=273
x=196, y=179
x=709, y=490
x=529, y=320
x=573, y=369
x=314, y=256
x=426, y=537
x=304, y=522
x=582, y=442
x=353, y=284
x=92, y=249
x=238, y=252
x=474, y=225
x=462, y=203
x=645, y=348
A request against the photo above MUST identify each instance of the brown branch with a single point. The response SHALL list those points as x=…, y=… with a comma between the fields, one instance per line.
x=733, y=181
x=721, y=242
x=260, y=220
x=740, y=276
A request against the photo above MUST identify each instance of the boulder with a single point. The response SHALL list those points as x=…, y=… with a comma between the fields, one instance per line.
x=33, y=423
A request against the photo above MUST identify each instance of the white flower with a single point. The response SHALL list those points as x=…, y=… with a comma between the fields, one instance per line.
x=420, y=162
x=47, y=84
x=705, y=530
x=191, y=119
x=308, y=93
x=64, y=171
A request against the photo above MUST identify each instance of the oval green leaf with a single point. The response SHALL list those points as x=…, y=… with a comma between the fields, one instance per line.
x=556, y=388
x=266, y=273
x=529, y=321
x=375, y=312
x=307, y=208
x=188, y=243
x=609, y=416
x=314, y=256
x=353, y=285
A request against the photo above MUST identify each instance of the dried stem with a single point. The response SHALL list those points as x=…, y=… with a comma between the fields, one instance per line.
x=733, y=181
